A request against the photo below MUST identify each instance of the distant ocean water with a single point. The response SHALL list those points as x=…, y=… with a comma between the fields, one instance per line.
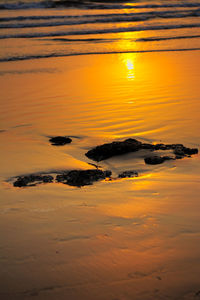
x=39, y=29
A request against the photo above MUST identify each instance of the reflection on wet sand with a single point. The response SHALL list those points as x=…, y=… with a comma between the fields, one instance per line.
x=135, y=238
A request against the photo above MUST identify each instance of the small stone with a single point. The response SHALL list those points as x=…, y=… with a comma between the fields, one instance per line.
x=128, y=174
x=178, y=157
x=180, y=150
x=160, y=147
x=155, y=160
x=190, y=151
x=147, y=146
x=60, y=140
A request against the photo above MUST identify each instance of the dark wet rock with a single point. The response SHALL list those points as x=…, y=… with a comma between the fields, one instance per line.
x=74, y=178
x=190, y=151
x=180, y=150
x=173, y=146
x=128, y=174
x=109, y=150
x=82, y=177
x=112, y=149
x=31, y=180
x=147, y=146
x=60, y=140
x=179, y=157
x=155, y=160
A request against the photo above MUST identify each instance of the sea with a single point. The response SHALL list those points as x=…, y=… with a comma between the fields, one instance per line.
x=38, y=29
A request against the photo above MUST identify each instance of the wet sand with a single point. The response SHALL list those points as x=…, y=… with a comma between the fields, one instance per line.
x=134, y=238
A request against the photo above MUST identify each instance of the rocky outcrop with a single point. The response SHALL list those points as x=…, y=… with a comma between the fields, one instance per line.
x=155, y=160
x=109, y=150
x=74, y=178
x=106, y=151
x=81, y=178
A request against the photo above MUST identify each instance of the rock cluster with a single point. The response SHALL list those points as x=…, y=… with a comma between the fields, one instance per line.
x=32, y=179
x=74, y=178
x=109, y=150
x=81, y=178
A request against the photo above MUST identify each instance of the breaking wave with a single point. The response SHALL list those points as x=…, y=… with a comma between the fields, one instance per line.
x=92, y=19
x=89, y=4
x=29, y=57
x=100, y=31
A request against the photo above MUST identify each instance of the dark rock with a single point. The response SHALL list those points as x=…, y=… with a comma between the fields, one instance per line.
x=190, y=151
x=159, y=147
x=82, y=177
x=128, y=174
x=31, y=180
x=147, y=146
x=112, y=149
x=109, y=150
x=75, y=178
x=155, y=160
x=179, y=157
x=60, y=140
x=180, y=150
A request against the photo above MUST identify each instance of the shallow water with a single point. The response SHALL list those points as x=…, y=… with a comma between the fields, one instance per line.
x=125, y=239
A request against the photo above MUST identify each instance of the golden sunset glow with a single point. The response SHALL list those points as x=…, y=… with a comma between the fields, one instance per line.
x=110, y=211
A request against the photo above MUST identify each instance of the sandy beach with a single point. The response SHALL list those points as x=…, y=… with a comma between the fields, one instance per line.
x=119, y=238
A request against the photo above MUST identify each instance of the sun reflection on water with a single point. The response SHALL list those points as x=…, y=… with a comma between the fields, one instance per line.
x=128, y=60
x=130, y=68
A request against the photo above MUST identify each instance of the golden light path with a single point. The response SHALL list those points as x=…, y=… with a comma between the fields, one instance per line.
x=127, y=42
x=129, y=61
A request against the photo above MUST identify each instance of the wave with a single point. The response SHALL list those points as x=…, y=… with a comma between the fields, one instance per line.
x=54, y=55
x=101, y=31
x=25, y=5
x=104, y=40
x=111, y=18
x=88, y=4
x=164, y=13
x=157, y=39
